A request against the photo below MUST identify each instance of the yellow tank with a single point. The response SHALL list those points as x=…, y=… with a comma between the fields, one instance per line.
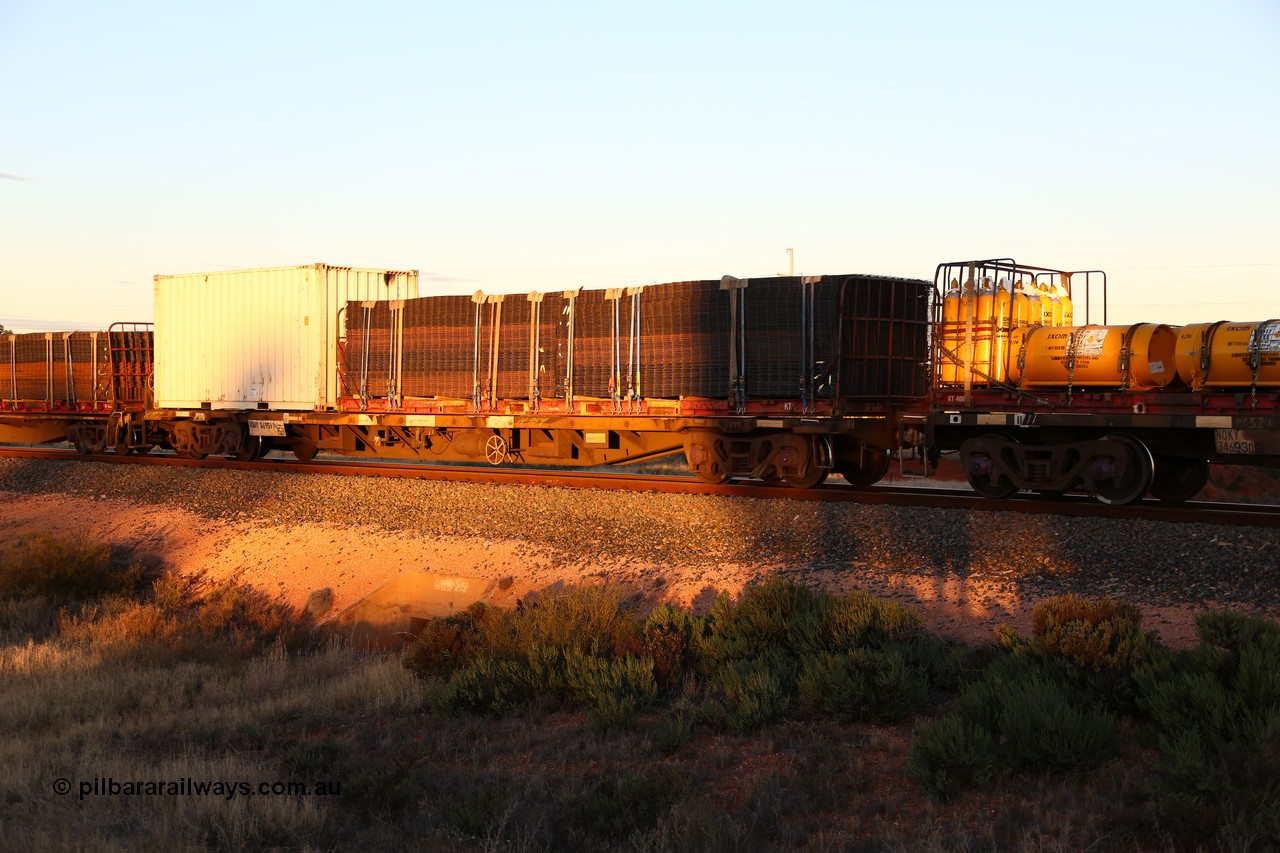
x=1039, y=356
x=1229, y=355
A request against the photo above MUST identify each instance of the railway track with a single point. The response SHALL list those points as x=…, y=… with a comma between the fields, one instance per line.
x=937, y=497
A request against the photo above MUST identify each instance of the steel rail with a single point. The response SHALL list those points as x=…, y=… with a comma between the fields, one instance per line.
x=1082, y=506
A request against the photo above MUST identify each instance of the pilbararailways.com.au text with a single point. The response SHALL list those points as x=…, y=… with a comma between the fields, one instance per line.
x=107, y=786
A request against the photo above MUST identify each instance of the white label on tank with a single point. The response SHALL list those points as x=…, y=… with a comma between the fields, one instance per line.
x=260, y=427
x=420, y=420
x=1269, y=338
x=1090, y=341
x=596, y=437
x=1156, y=366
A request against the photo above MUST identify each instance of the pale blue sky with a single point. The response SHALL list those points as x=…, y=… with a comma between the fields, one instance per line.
x=519, y=146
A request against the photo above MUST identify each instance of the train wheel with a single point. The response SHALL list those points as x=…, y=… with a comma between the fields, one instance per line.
x=874, y=465
x=811, y=478
x=304, y=451
x=1177, y=480
x=1130, y=479
x=251, y=450
x=981, y=471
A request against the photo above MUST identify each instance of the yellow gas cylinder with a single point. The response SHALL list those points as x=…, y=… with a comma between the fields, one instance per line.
x=1035, y=313
x=1002, y=310
x=1064, y=302
x=1017, y=306
x=1229, y=355
x=947, y=369
x=1093, y=356
x=964, y=331
x=1046, y=308
x=983, y=331
x=1052, y=307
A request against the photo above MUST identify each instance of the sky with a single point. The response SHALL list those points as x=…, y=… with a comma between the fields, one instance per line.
x=519, y=146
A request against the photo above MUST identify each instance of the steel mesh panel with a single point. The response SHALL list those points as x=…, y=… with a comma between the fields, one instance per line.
x=514, y=336
x=366, y=359
x=774, y=328
x=31, y=369
x=593, y=345
x=439, y=347
x=887, y=325
x=553, y=343
x=90, y=367
x=684, y=350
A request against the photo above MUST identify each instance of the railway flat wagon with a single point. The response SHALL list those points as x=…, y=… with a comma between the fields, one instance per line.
x=780, y=378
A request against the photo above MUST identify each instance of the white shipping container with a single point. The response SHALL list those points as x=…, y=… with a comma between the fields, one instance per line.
x=261, y=338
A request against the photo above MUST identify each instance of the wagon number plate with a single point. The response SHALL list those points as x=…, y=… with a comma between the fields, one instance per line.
x=1234, y=441
x=277, y=428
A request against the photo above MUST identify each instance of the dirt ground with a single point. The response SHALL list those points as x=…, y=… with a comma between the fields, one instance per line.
x=291, y=561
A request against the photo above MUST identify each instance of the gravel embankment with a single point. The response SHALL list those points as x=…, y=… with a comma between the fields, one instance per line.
x=1155, y=562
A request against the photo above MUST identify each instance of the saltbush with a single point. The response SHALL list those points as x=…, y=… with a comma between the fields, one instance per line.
x=862, y=684
x=1090, y=633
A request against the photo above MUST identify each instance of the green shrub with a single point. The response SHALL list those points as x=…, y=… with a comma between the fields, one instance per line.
x=758, y=622
x=62, y=570
x=1029, y=720
x=1042, y=727
x=854, y=621
x=862, y=684
x=614, y=690
x=587, y=618
x=489, y=686
x=950, y=754
x=753, y=692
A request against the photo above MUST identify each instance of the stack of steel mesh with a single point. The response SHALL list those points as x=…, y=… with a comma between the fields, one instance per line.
x=514, y=337
x=593, y=344
x=778, y=358
x=887, y=331
x=439, y=347
x=684, y=348
x=59, y=367
x=366, y=360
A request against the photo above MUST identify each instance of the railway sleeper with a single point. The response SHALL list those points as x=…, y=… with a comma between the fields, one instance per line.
x=1116, y=468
